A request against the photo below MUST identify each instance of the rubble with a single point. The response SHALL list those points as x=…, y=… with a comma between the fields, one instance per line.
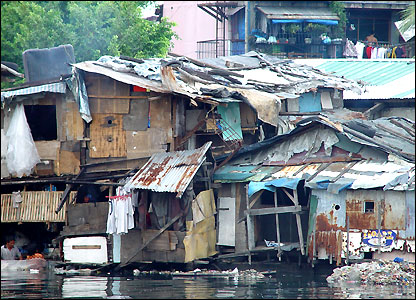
x=379, y=272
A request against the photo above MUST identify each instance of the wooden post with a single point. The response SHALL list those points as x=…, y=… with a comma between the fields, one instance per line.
x=299, y=224
x=348, y=240
x=314, y=248
x=250, y=229
x=279, y=251
x=379, y=224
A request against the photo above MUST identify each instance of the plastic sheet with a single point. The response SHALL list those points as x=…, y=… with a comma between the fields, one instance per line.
x=22, y=155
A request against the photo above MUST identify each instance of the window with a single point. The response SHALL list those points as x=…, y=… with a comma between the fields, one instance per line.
x=42, y=121
x=369, y=206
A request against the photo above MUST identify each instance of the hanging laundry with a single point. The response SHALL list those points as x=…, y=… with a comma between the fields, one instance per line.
x=360, y=49
x=350, y=49
x=120, y=213
x=368, y=51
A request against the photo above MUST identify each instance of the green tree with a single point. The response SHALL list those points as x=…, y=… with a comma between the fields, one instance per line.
x=93, y=28
x=408, y=18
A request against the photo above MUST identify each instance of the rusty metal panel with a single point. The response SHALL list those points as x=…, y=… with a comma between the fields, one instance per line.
x=36, y=206
x=355, y=208
x=331, y=209
x=410, y=215
x=169, y=172
x=394, y=215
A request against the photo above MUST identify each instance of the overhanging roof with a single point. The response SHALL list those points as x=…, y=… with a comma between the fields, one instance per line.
x=298, y=13
x=169, y=171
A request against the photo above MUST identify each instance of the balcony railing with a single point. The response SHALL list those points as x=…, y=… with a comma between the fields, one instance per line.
x=217, y=48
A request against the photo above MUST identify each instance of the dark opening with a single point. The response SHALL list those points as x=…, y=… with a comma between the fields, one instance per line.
x=369, y=206
x=42, y=121
x=337, y=207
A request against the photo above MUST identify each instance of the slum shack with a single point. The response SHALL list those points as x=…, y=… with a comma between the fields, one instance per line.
x=97, y=123
x=334, y=187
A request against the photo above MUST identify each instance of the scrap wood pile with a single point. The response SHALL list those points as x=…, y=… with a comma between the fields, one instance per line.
x=378, y=272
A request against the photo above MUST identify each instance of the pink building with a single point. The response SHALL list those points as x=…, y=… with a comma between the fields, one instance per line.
x=194, y=25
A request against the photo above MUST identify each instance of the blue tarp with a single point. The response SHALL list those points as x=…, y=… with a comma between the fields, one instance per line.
x=275, y=21
x=290, y=183
x=318, y=21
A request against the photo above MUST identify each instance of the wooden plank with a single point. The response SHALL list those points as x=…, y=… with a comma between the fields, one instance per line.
x=48, y=150
x=277, y=227
x=257, y=197
x=86, y=246
x=250, y=228
x=290, y=196
x=120, y=97
x=148, y=241
x=72, y=122
x=273, y=210
x=144, y=143
x=299, y=223
x=102, y=106
x=69, y=163
x=108, y=139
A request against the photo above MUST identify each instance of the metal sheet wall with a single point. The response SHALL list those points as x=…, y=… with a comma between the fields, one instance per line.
x=36, y=206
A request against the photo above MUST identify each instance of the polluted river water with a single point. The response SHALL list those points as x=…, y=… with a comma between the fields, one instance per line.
x=286, y=281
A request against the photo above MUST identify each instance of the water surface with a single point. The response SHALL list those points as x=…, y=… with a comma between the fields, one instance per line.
x=290, y=282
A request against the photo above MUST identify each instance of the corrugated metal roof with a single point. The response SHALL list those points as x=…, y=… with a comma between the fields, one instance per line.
x=169, y=172
x=386, y=78
x=375, y=72
x=57, y=87
x=35, y=207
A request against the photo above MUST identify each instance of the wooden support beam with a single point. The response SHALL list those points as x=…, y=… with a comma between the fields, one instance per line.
x=321, y=168
x=149, y=240
x=289, y=195
x=250, y=228
x=279, y=250
x=273, y=210
x=66, y=192
x=299, y=223
x=257, y=197
x=345, y=170
x=374, y=109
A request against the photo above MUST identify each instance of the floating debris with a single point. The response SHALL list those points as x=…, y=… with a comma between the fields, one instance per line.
x=377, y=272
x=250, y=274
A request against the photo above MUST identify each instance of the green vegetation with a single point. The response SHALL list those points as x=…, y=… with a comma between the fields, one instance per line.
x=339, y=8
x=408, y=16
x=93, y=28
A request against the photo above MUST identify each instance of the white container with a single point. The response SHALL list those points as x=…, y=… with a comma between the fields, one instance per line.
x=91, y=249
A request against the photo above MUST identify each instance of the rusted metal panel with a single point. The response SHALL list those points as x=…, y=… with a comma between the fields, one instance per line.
x=359, y=219
x=35, y=207
x=169, y=172
x=392, y=205
x=410, y=215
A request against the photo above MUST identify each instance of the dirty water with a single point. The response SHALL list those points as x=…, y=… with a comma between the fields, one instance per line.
x=290, y=282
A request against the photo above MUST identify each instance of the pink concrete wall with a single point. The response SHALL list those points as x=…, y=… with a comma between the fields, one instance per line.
x=192, y=25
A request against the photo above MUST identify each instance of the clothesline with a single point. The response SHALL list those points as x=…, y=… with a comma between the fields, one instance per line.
x=116, y=197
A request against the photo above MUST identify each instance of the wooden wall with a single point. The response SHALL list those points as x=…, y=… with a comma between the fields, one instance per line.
x=126, y=124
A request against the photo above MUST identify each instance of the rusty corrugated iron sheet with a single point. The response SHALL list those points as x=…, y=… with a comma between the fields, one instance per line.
x=169, y=172
x=36, y=206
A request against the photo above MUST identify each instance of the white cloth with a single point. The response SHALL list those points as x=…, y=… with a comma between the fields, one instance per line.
x=381, y=52
x=360, y=49
x=111, y=218
x=374, y=52
x=120, y=213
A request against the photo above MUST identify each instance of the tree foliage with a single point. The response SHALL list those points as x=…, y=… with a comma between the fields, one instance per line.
x=408, y=17
x=93, y=28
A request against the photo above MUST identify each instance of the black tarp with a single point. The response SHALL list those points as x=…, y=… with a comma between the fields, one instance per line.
x=48, y=63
